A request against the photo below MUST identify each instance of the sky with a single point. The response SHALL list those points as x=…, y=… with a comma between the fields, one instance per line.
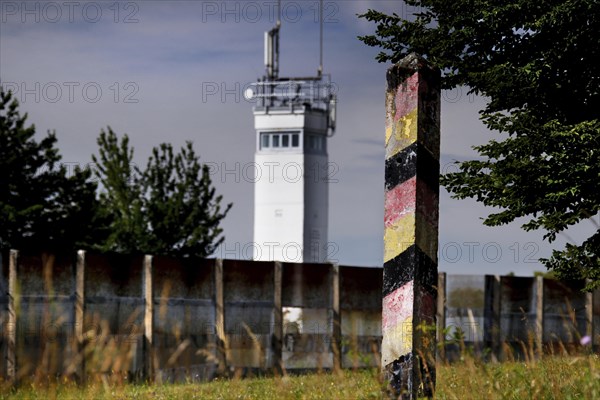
x=175, y=71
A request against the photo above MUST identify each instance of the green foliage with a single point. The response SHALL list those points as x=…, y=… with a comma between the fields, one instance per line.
x=545, y=274
x=42, y=206
x=170, y=208
x=535, y=63
x=120, y=198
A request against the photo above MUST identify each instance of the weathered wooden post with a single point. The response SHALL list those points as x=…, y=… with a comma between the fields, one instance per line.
x=412, y=167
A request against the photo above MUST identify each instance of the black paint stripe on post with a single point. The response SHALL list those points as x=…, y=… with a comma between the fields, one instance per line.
x=403, y=166
x=411, y=264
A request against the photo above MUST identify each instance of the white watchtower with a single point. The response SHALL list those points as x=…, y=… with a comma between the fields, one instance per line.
x=293, y=118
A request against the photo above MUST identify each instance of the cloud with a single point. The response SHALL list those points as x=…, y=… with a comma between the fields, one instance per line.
x=169, y=63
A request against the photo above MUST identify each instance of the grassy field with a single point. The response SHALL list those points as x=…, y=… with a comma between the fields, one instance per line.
x=551, y=378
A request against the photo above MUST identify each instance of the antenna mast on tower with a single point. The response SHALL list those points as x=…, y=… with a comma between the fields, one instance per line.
x=293, y=119
x=274, y=90
x=272, y=48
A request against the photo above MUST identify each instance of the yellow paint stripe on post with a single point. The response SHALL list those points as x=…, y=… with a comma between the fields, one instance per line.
x=397, y=341
x=399, y=237
x=401, y=134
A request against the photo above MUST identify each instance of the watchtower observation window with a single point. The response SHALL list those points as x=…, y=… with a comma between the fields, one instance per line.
x=276, y=140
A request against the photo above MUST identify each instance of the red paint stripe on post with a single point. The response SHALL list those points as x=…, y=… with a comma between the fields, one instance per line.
x=398, y=306
x=409, y=197
x=407, y=96
x=400, y=201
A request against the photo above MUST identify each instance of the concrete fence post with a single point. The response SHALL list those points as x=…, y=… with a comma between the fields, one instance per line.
x=80, y=315
x=441, y=316
x=148, y=344
x=595, y=320
x=589, y=312
x=220, y=319
x=412, y=151
x=277, y=328
x=11, y=339
x=491, y=311
x=539, y=315
x=336, y=334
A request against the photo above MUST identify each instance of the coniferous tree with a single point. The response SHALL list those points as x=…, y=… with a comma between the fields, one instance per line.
x=43, y=205
x=181, y=205
x=120, y=195
x=170, y=208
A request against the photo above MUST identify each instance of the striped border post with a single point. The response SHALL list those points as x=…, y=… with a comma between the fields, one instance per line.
x=412, y=153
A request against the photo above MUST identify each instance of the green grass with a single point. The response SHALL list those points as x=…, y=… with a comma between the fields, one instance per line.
x=346, y=385
x=551, y=378
x=574, y=377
